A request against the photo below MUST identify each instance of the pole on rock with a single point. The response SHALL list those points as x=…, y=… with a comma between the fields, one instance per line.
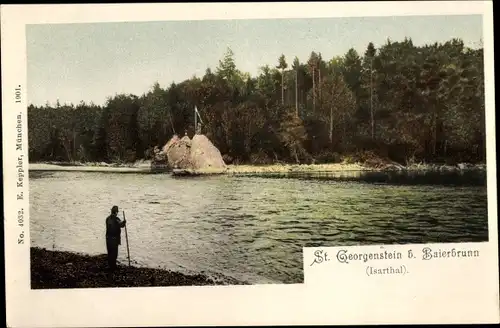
x=195, y=120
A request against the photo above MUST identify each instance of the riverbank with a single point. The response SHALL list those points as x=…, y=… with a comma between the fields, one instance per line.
x=91, y=167
x=57, y=269
x=145, y=167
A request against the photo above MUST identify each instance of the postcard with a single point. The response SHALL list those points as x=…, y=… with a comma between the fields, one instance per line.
x=249, y=164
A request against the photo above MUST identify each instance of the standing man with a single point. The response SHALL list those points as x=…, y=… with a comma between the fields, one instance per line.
x=113, y=236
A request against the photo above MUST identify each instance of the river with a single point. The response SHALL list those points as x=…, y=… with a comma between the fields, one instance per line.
x=251, y=229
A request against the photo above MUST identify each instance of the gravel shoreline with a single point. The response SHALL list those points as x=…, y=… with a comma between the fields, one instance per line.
x=58, y=269
x=145, y=167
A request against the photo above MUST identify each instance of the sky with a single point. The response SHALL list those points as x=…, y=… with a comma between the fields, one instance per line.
x=93, y=61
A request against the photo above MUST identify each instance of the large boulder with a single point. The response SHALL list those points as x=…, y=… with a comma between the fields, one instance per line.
x=196, y=154
x=204, y=155
x=178, y=153
x=159, y=156
x=173, y=140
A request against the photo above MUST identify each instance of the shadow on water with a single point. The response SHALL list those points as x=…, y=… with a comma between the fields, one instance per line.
x=453, y=178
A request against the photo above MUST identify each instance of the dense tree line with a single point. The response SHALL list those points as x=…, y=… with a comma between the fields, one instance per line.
x=400, y=101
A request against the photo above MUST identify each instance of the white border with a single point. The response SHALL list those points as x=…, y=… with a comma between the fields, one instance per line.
x=245, y=305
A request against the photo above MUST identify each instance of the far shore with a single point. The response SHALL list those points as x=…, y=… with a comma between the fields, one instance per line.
x=145, y=167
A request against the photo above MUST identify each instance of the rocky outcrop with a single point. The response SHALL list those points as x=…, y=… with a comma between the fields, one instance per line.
x=177, y=153
x=197, y=154
x=204, y=155
x=173, y=140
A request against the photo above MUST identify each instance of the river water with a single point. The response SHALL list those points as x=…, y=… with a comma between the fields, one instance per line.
x=251, y=229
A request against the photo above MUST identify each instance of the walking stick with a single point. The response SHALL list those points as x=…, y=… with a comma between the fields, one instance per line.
x=126, y=238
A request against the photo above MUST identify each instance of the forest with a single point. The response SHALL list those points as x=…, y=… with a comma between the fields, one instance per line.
x=400, y=101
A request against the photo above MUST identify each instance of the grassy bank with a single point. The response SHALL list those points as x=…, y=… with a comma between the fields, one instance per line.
x=56, y=269
x=284, y=168
x=136, y=164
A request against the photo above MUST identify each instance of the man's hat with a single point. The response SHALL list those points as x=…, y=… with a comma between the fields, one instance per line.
x=114, y=209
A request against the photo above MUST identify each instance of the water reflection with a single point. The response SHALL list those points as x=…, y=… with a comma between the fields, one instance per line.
x=430, y=177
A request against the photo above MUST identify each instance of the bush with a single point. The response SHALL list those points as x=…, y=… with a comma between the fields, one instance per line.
x=227, y=159
x=327, y=158
x=130, y=156
x=366, y=157
x=260, y=158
